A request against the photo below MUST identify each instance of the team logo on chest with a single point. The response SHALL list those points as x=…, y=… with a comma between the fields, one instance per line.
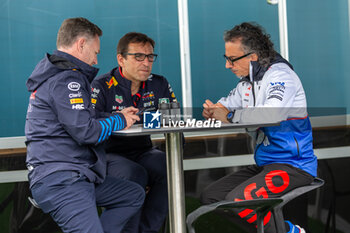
x=148, y=95
x=119, y=99
x=148, y=104
x=249, y=89
x=112, y=82
x=246, y=98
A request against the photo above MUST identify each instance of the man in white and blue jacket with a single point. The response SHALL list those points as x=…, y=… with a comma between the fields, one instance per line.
x=65, y=158
x=269, y=91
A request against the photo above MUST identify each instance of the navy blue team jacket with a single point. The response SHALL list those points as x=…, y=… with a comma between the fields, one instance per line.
x=61, y=129
x=111, y=92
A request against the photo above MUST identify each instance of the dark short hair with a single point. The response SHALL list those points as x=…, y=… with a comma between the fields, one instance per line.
x=73, y=28
x=253, y=39
x=132, y=37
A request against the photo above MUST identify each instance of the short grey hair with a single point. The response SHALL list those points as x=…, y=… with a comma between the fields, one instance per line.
x=73, y=28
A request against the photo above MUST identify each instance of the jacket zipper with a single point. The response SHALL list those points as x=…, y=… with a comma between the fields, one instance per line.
x=257, y=148
x=252, y=83
x=296, y=142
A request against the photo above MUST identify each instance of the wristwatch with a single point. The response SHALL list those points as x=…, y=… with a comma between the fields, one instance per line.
x=230, y=115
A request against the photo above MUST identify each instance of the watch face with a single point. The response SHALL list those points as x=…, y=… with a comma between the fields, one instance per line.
x=230, y=116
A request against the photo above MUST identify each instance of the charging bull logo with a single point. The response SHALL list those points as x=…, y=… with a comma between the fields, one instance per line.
x=112, y=82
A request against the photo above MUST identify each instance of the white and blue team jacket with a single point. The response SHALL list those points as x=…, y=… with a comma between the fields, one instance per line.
x=275, y=94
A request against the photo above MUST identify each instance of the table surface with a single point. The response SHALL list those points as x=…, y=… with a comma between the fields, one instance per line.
x=139, y=130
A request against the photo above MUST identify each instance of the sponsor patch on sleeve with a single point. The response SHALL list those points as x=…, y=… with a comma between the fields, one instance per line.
x=76, y=101
x=276, y=90
x=172, y=94
x=74, y=86
x=232, y=92
x=78, y=106
x=95, y=91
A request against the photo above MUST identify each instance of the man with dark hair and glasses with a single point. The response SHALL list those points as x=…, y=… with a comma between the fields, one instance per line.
x=134, y=158
x=269, y=90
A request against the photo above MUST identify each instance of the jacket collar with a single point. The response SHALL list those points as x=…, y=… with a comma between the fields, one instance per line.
x=89, y=71
x=117, y=73
x=257, y=71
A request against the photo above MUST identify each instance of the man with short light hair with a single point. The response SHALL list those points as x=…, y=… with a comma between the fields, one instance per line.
x=65, y=159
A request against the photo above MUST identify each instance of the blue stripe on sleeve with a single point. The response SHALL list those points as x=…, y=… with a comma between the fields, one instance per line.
x=110, y=124
x=103, y=129
x=122, y=123
x=118, y=121
x=106, y=132
x=115, y=123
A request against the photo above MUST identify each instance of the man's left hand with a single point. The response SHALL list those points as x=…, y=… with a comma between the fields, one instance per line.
x=219, y=112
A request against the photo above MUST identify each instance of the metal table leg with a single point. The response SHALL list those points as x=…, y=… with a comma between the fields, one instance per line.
x=176, y=188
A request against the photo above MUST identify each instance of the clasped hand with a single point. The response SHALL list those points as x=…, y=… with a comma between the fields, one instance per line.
x=216, y=111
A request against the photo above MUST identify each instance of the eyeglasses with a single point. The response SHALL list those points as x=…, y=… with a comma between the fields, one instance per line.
x=232, y=60
x=141, y=56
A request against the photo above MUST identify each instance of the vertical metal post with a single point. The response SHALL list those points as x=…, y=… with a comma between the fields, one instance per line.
x=185, y=57
x=176, y=190
x=349, y=15
x=348, y=81
x=283, y=28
